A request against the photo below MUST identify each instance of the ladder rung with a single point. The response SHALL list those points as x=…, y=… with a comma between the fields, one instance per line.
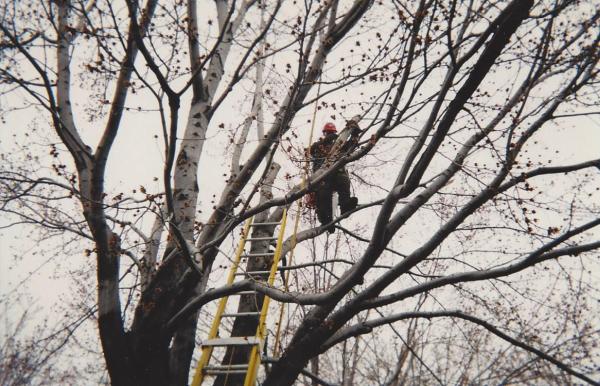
x=244, y=293
x=264, y=223
x=226, y=368
x=219, y=372
x=259, y=254
x=270, y=238
x=250, y=273
x=236, y=314
x=232, y=341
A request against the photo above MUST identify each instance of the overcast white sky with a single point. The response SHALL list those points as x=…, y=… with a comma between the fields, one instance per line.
x=137, y=158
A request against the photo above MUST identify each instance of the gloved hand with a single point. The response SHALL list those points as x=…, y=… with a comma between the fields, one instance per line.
x=353, y=125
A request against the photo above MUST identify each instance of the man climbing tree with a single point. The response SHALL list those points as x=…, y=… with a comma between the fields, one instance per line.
x=323, y=153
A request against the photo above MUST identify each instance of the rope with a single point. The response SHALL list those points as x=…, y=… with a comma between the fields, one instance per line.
x=297, y=220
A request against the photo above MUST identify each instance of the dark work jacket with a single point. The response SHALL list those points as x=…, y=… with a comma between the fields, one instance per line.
x=319, y=151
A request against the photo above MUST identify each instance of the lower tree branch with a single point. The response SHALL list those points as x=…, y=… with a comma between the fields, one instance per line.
x=368, y=326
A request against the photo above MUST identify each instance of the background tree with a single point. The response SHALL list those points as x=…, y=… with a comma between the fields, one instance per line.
x=146, y=132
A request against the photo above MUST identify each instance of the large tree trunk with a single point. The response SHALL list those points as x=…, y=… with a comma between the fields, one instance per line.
x=166, y=293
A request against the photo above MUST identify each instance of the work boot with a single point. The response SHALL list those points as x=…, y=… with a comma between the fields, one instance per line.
x=349, y=205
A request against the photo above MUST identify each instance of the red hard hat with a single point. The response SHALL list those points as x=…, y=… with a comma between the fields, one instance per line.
x=329, y=128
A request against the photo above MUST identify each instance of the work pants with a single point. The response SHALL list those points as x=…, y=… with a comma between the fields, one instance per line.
x=339, y=182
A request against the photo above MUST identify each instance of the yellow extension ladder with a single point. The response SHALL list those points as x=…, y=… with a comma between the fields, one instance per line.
x=204, y=368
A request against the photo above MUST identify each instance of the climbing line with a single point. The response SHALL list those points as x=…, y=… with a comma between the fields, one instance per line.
x=296, y=221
